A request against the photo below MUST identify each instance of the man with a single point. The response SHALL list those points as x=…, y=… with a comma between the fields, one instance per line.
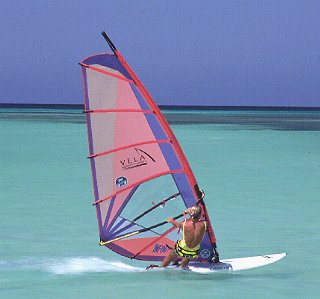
x=193, y=232
x=188, y=247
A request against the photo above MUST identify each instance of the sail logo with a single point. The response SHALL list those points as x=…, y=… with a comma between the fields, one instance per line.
x=222, y=267
x=121, y=182
x=140, y=158
x=205, y=253
x=158, y=248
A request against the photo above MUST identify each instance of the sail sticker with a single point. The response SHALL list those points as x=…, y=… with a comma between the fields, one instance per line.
x=160, y=248
x=121, y=182
x=205, y=253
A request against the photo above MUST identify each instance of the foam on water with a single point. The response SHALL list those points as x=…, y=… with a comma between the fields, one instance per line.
x=72, y=265
x=88, y=264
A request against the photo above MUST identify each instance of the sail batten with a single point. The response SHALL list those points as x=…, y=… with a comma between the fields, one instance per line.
x=138, y=183
x=118, y=110
x=128, y=146
x=106, y=72
x=135, y=161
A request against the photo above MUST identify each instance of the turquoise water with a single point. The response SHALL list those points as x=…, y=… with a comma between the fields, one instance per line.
x=260, y=171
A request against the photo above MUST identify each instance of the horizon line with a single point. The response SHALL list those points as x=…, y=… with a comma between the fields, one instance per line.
x=164, y=107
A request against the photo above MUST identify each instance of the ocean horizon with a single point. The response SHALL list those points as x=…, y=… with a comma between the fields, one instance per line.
x=42, y=106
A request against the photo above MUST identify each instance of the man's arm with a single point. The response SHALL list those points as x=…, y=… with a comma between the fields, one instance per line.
x=175, y=223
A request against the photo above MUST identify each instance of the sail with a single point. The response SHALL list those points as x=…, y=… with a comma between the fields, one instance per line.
x=140, y=175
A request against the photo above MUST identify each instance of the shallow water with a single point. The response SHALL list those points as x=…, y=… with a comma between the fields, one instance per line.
x=260, y=171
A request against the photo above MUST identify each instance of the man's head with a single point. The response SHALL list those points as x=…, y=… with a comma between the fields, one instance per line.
x=194, y=211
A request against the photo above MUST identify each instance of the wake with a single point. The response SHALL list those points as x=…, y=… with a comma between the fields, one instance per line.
x=88, y=264
x=68, y=266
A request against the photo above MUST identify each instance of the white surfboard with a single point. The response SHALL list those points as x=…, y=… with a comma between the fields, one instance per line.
x=235, y=264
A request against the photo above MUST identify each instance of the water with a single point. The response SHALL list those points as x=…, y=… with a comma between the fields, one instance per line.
x=261, y=174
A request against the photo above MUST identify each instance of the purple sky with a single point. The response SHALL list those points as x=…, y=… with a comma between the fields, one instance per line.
x=238, y=53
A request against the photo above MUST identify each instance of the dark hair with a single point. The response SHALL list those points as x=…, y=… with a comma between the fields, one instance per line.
x=197, y=215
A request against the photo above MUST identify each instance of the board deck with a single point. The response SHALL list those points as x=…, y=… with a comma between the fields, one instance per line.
x=235, y=264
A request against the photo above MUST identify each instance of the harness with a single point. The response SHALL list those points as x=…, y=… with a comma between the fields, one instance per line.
x=183, y=250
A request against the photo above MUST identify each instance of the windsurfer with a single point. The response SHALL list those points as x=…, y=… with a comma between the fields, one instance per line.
x=193, y=232
x=188, y=247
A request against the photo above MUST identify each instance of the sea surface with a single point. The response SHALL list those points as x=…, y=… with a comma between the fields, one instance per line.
x=260, y=170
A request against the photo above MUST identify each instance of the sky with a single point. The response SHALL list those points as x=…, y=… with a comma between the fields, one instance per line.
x=211, y=53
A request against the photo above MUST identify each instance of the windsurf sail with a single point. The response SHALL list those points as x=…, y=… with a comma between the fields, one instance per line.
x=140, y=174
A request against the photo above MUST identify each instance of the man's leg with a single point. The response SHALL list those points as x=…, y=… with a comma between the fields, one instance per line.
x=184, y=263
x=169, y=258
